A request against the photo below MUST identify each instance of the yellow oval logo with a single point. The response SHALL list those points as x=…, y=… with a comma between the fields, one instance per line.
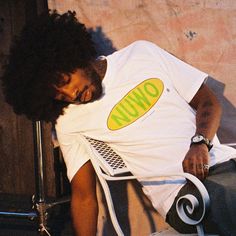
x=135, y=103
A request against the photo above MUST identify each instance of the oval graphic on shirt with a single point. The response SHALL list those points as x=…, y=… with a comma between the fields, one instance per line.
x=135, y=103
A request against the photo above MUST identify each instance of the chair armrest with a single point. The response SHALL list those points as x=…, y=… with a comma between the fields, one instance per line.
x=230, y=144
x=194, y=202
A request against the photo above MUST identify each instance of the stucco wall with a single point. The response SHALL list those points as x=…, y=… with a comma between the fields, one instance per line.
x=200, y=32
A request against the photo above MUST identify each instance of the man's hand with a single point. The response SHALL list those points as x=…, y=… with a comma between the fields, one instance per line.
x=196, y=161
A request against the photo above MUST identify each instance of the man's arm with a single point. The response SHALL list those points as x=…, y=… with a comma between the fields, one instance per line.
x=208, y=114
x=84, y=206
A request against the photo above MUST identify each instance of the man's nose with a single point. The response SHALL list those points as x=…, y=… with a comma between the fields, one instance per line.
x=72, y=94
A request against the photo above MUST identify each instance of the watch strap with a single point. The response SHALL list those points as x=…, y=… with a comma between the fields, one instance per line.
x=202, y=140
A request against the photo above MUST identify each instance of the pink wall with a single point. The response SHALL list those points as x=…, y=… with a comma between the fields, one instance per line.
x=201, y=32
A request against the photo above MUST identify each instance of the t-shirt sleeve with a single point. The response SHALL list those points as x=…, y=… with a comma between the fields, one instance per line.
x=186, y=79
x=74, y=153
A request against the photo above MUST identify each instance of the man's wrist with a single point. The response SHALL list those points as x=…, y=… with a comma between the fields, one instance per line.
x=198, y=139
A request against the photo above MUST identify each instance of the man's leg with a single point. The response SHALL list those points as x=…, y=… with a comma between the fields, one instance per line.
x=221, y=186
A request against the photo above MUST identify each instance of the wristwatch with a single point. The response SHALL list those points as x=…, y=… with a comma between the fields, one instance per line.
x=199, y=139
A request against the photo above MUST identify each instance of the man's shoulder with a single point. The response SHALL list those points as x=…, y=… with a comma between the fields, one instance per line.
x=66, y=121
x=140, y=44
x=138, y=48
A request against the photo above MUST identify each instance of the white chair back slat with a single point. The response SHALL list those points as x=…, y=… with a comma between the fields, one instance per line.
x=110, y=161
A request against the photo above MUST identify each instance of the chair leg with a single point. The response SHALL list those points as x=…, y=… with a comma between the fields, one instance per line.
x=110, y=205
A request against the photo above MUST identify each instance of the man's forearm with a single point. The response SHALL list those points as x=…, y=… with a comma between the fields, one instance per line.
x=208, y=113
x=84, y=205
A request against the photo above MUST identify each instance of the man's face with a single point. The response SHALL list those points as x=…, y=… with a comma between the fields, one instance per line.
x=82, y=86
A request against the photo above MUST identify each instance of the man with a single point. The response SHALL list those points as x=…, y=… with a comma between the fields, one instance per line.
x=153, y=109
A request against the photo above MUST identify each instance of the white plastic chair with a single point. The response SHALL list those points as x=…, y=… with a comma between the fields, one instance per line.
x=109, y=166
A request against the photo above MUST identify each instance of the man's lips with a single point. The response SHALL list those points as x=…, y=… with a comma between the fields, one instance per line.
x=84, y=96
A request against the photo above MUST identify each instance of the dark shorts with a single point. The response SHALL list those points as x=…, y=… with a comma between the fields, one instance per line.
x=221, y=186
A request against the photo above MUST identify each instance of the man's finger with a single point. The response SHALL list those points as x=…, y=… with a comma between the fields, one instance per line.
x=199, y=171
x=202, y=171
x=206, y=170
x=190, y=168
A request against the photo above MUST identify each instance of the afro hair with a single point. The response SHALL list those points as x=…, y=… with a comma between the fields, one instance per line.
x=51, y=45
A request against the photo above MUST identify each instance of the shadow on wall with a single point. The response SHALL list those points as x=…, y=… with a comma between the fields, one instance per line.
x=227, y=130
x=103, y=44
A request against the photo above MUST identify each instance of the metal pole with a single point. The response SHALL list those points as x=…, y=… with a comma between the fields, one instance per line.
x=40, y=163
x=40, y=202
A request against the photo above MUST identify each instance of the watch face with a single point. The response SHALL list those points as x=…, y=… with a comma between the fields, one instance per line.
x=197, y=138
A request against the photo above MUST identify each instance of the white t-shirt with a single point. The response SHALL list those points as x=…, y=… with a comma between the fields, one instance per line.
x=144, y=116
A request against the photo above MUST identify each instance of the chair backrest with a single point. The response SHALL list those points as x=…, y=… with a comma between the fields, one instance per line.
x=110, y=161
